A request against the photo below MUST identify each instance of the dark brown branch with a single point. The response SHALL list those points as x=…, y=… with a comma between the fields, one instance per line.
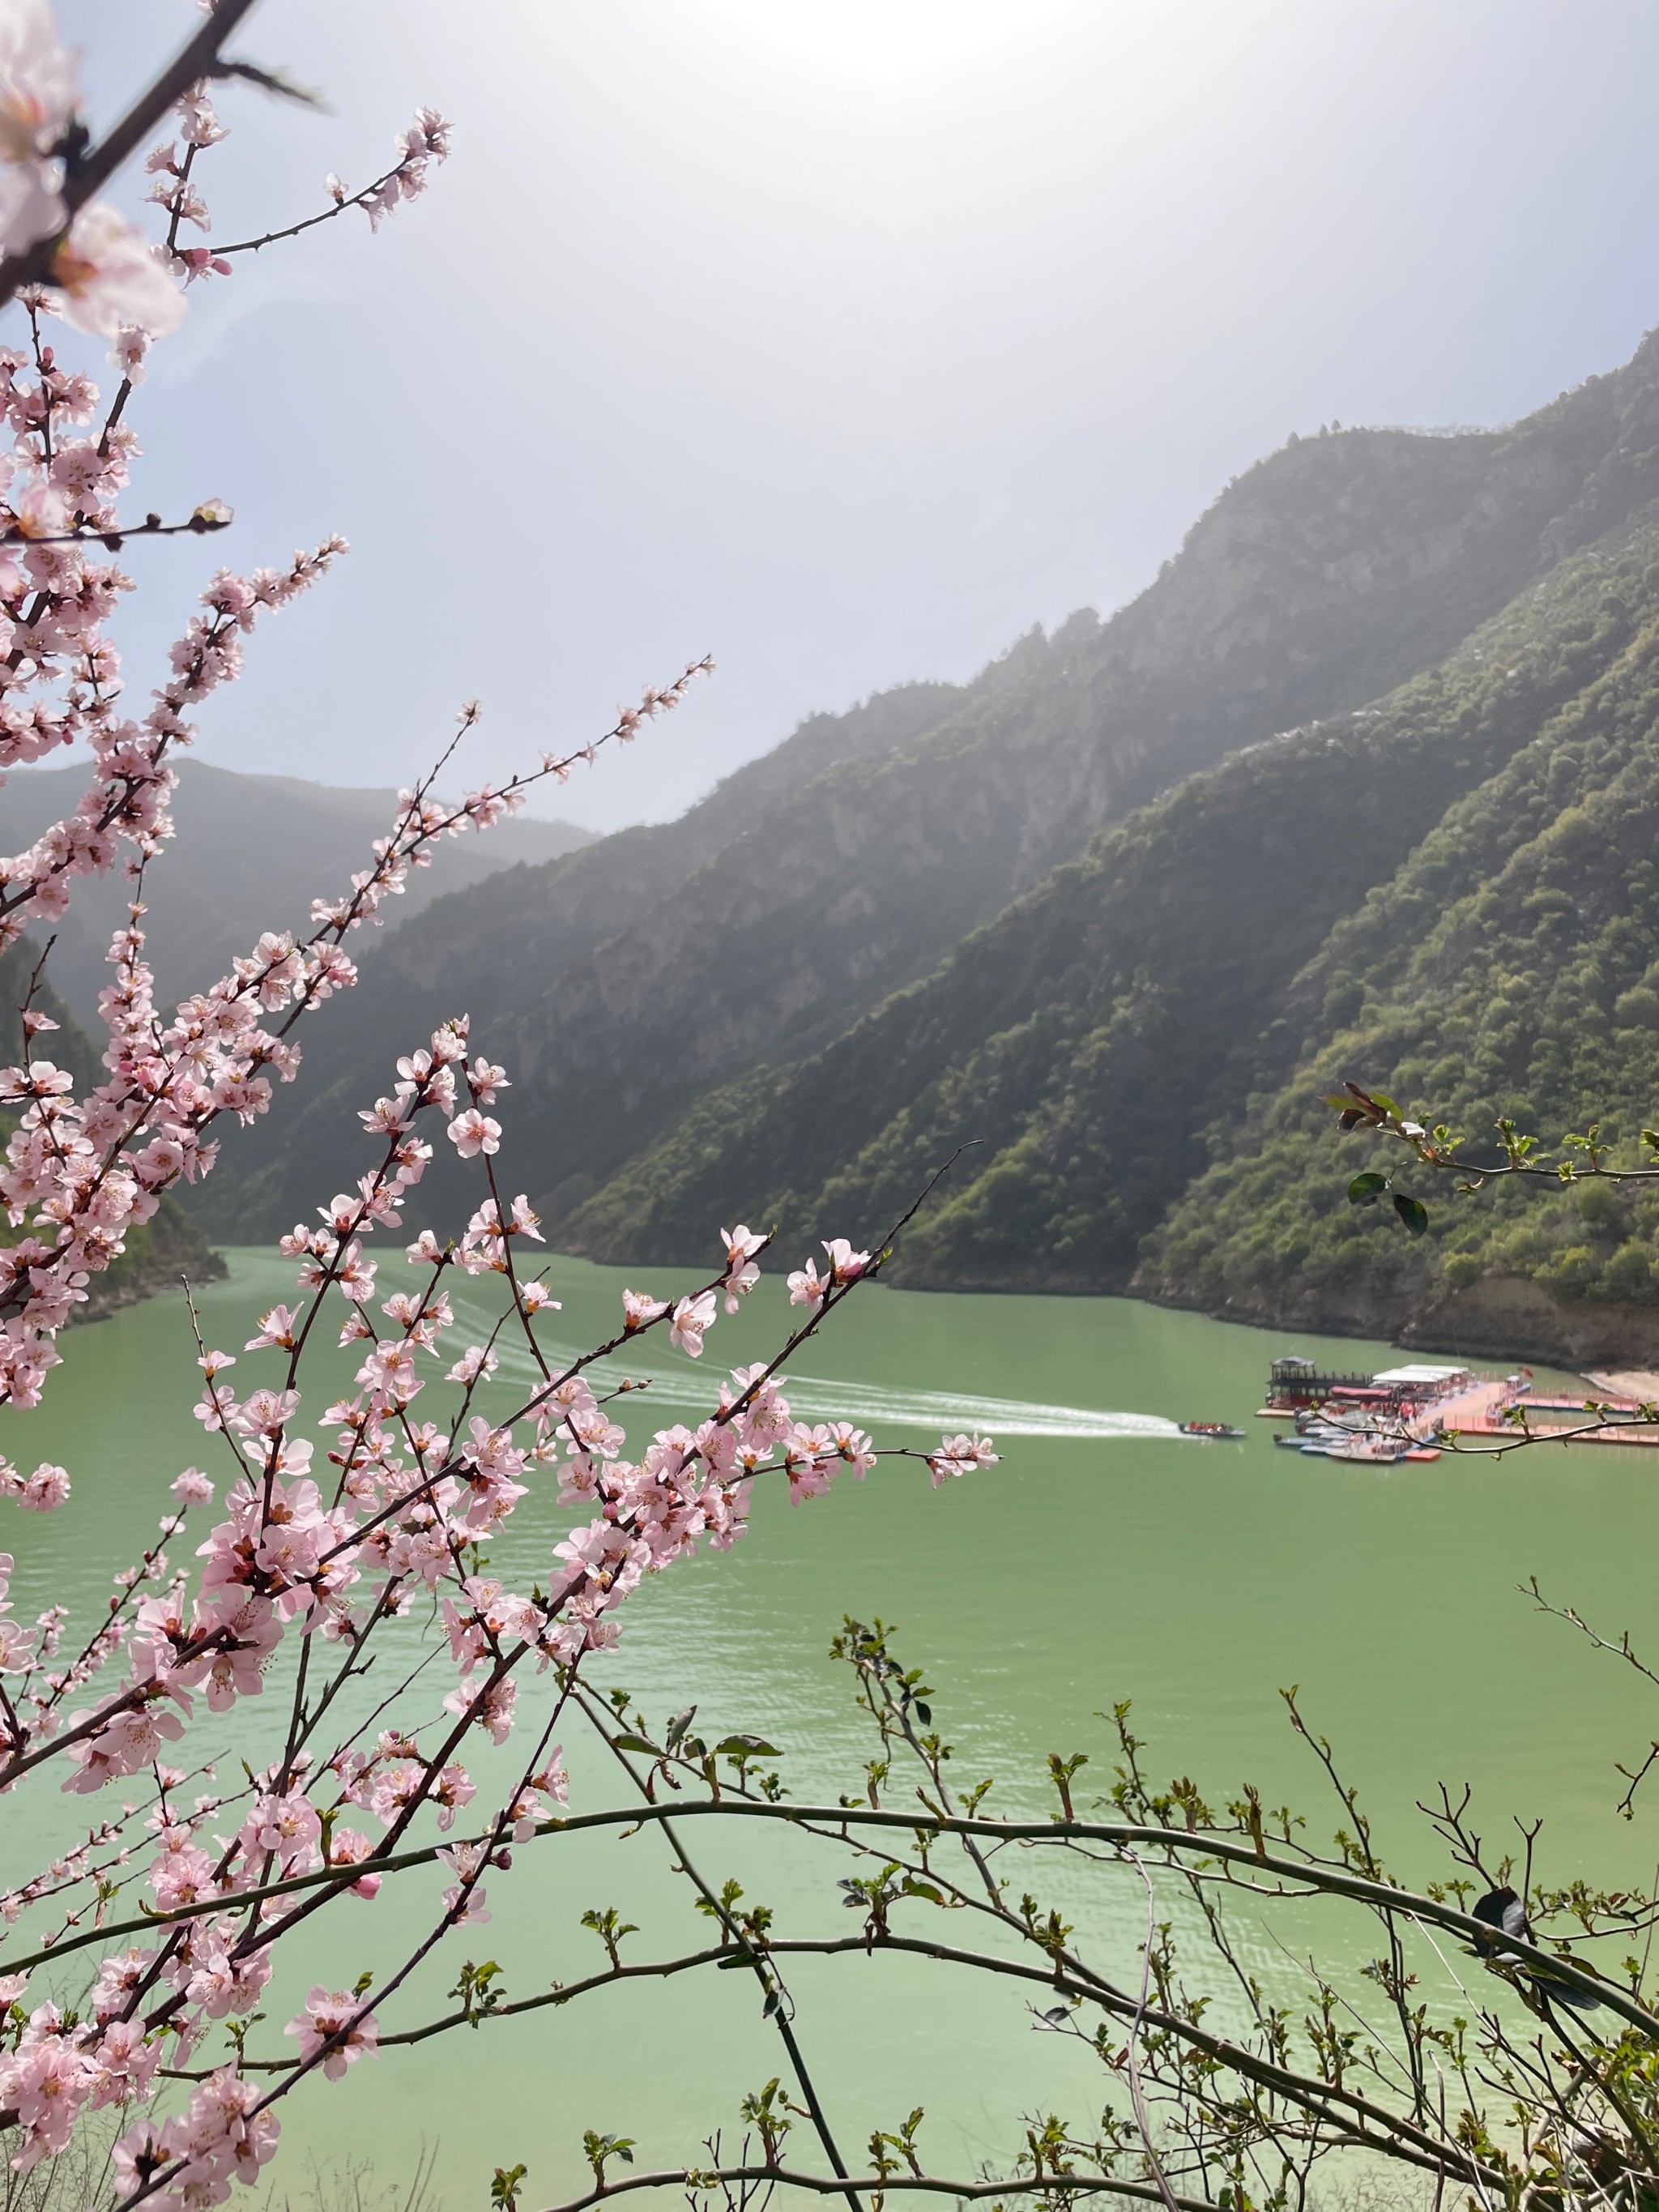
x=197, y=58
x=88, y=533
x=692, y=2178
x=1330, y=1880
x=309, y=222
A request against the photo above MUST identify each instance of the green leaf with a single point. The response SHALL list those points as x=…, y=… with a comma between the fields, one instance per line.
x=746, y=1747
x=632, y=1743
x=1366, y=1189
x=1381, y=1098
x=1412, y=1212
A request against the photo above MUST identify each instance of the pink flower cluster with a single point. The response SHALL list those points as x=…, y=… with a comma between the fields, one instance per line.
x=223, y=2136
x=61, y=2067
x=960, y=1455
x=78, y=1172
x=315, y=1549
x=424, y=142
x=172, y=165
x=334, y=2028
x=810, y=1289
x=409, y=1499
x=327, y=1550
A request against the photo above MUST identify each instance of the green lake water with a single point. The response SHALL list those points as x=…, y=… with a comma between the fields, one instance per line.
x=1105, y=1559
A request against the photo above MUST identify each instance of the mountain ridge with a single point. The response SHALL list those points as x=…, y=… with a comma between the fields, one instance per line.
x=1090, y=969
x=666, y=999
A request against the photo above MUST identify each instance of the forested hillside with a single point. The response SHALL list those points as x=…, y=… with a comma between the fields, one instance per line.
x=1094, y=1041
x=627, y=983
x=1509, y=968
x=1100, y=917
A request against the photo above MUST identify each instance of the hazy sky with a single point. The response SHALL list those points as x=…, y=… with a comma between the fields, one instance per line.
x=844, y=338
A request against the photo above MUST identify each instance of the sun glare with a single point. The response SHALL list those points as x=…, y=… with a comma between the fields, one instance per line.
x=885, y=40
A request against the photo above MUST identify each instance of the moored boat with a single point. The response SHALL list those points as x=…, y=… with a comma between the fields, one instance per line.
x=1360, y=1451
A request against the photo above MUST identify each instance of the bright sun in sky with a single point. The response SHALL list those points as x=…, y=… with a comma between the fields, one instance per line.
x=888, y=39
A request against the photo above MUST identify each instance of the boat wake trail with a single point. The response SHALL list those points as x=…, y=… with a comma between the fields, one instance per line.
x=819, y=1398
x=814, y=1399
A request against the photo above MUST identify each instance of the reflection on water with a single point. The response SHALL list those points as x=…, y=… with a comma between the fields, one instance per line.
x=1095, y=1563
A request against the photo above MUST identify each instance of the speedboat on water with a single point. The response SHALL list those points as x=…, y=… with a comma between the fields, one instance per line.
x=1211, y=1430
x=1364, y=1451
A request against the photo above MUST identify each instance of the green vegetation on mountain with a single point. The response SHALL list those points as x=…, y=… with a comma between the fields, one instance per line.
x=1100, y=919
x=1510, y=969
x=629, y=986
x=1103, y=1035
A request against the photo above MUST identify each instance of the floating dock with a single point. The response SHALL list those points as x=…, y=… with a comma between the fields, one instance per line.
x=1483, y=1410
x=1421, y=1401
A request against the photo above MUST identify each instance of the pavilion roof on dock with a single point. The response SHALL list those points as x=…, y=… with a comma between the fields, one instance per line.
x=1296, y=1382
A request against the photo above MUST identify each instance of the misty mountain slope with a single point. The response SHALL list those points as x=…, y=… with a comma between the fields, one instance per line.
x=250, y=854
x=1083, y=1041
x=622, y=983
x=492, y=956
